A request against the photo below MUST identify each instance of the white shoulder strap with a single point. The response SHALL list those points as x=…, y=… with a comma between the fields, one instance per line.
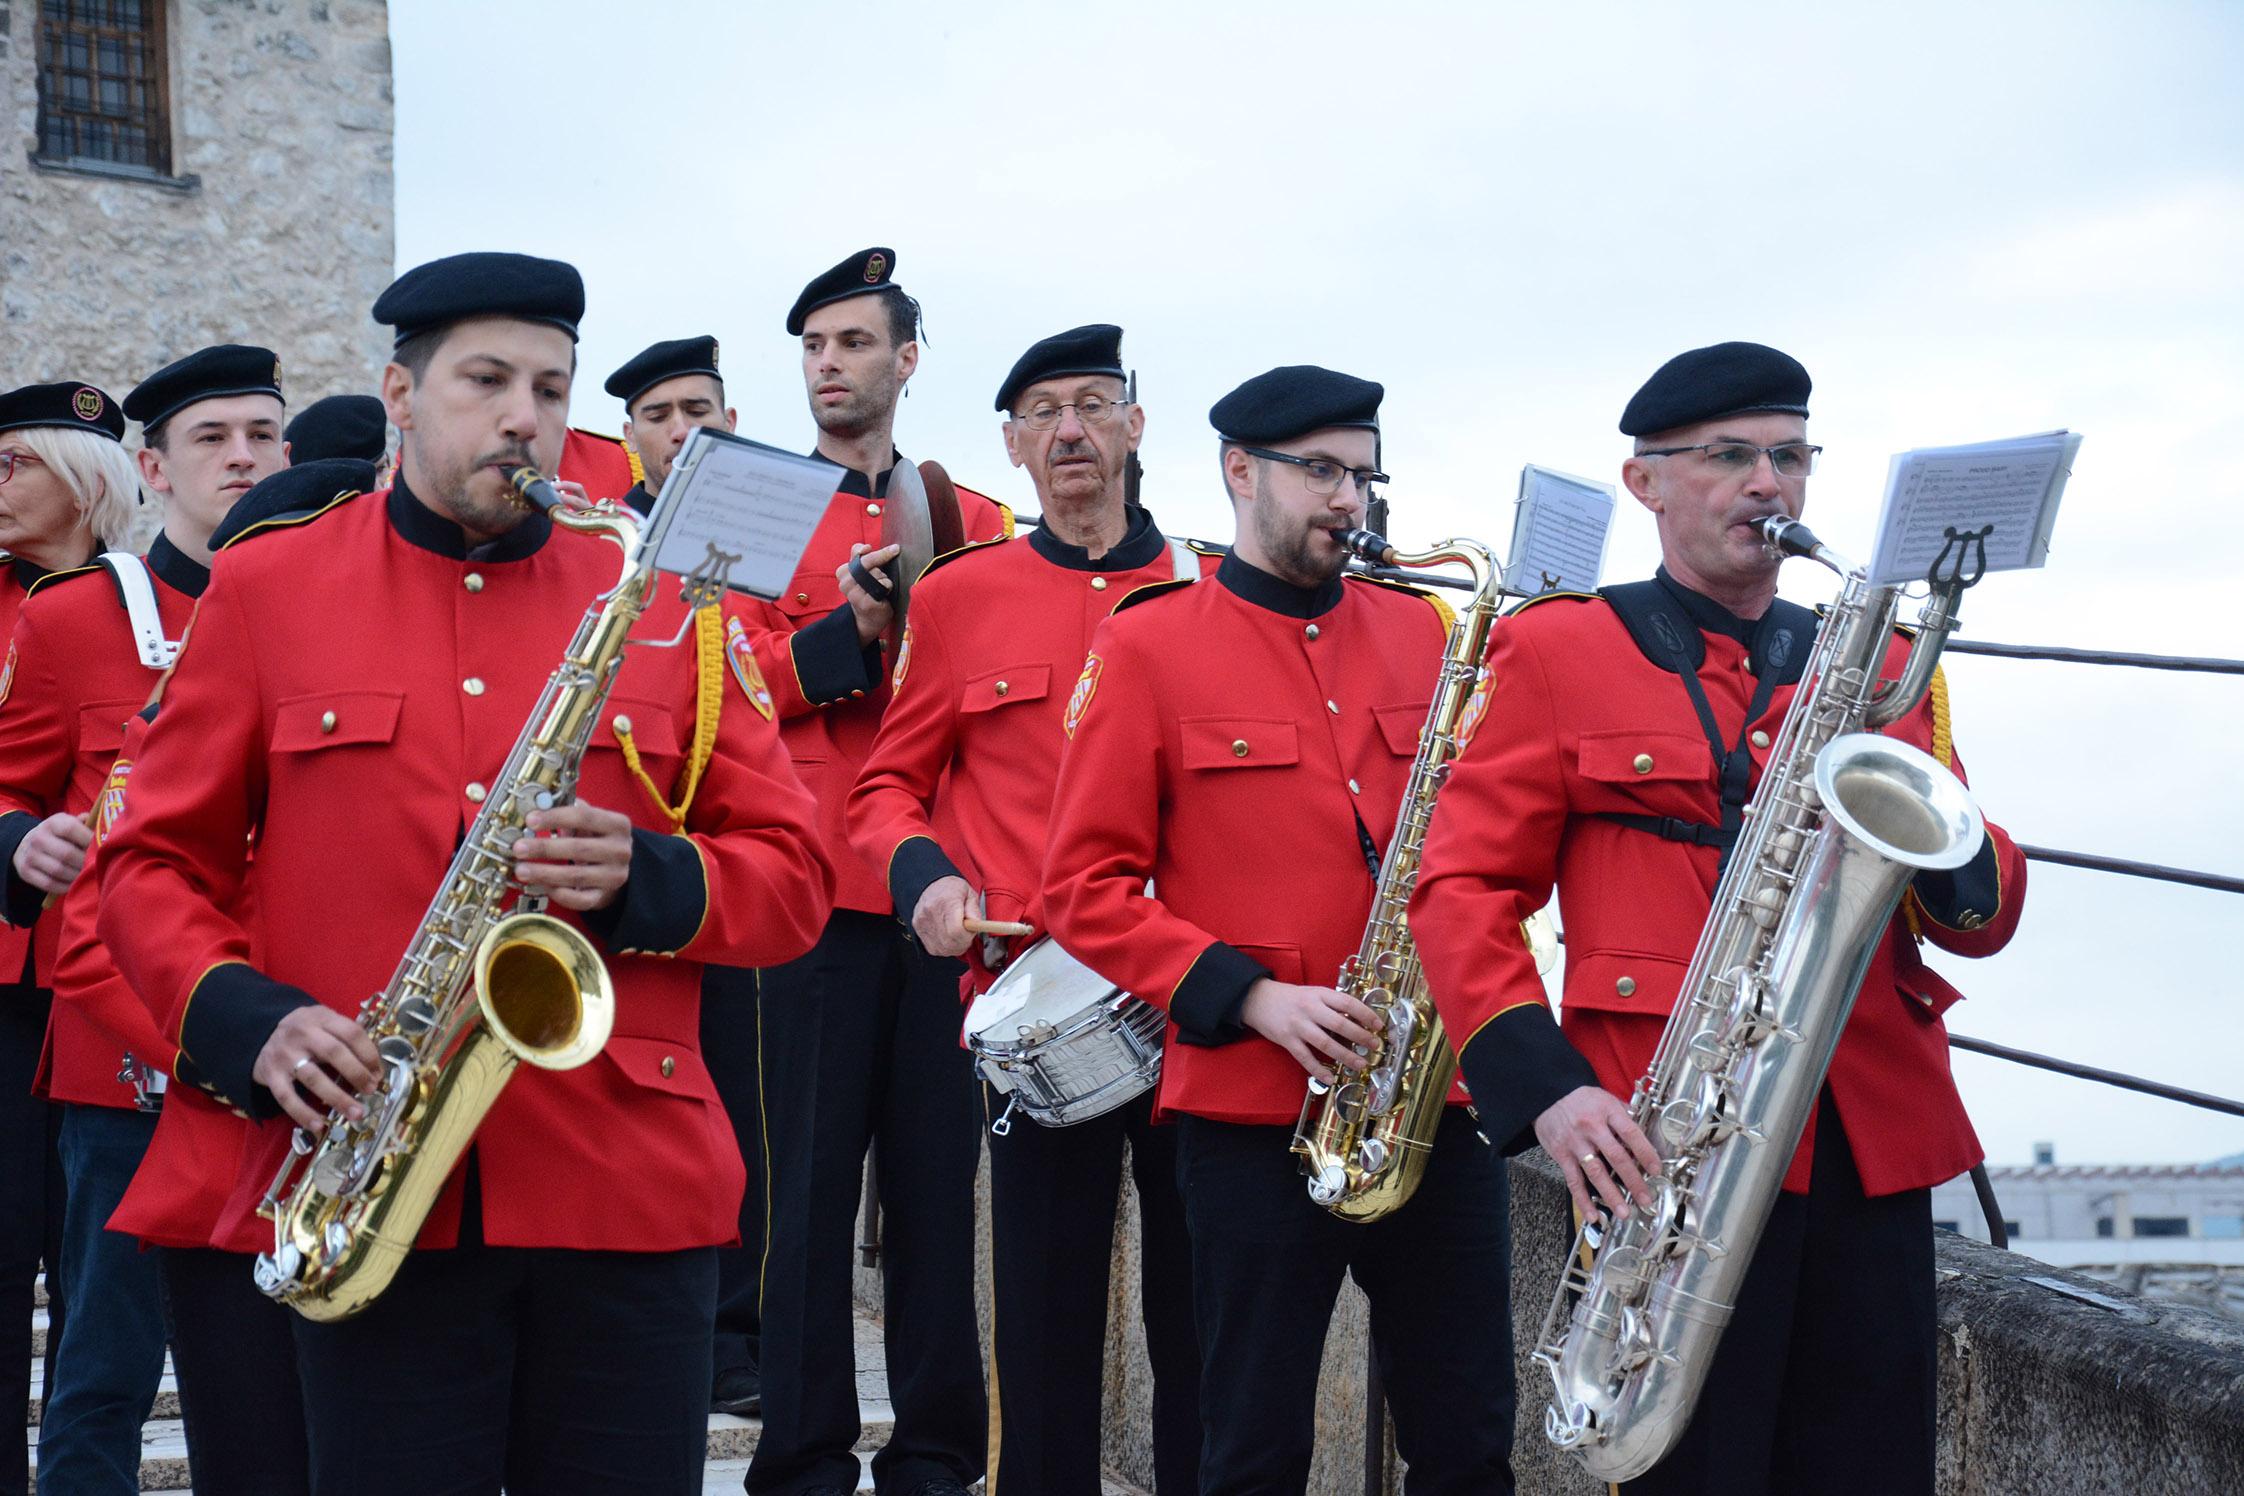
x=1184, y=562
x=156, y=652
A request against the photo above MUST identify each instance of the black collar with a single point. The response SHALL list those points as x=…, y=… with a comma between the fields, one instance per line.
x=420, y=525
x=1710, y=616
x=864, y=485
x=1254, y=585
x=172, y=564
x=1140, y=544
x=640, y=500
x=27, y=573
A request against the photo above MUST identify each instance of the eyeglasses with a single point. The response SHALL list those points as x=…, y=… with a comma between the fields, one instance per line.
x=1736, y=459
x=8, y=461
x=1090, y=410
x=1322, y=474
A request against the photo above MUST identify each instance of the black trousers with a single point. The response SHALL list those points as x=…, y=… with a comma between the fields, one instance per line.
x=1053, y=1194
x=731, y=1034
x=31, y=1196
x=550, y=1372
x=1266, y=1267
x=861, y=1048
x=1824, y=1381
x=233, y=1352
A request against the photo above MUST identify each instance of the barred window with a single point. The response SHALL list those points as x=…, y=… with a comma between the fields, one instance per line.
x=104, y=83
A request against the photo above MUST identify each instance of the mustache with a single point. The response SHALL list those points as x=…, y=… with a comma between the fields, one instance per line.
x=516, y=456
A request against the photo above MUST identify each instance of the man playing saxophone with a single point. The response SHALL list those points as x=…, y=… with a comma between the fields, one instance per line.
x=1244, y=743
x=552, y=1330
x=1623, y=737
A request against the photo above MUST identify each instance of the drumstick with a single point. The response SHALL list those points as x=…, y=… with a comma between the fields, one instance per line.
x=975, y=926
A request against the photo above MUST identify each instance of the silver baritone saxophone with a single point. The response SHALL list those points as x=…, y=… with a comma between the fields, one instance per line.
x=1364, y=1141
x=478, y=989
x=1842, y=819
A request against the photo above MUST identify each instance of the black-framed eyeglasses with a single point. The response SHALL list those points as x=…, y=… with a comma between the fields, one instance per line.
x=1091, y=410
x=1322, y=474
x=1736, y=459
x=8, y=461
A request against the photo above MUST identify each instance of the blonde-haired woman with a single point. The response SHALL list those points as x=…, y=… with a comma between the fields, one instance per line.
x=66, y=483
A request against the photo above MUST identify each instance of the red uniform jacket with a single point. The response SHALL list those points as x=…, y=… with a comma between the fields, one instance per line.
x=830, y=690
x=1245, y=745
x=17, y=943
x=357, y=749
x=601, y=463
x=1579, y=723
x=996, y=640
x=78, y=679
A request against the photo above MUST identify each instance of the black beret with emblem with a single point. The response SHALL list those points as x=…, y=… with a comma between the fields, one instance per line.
x=861, y=274
x=339, y=426
x=297, y=490
x=1727, y=379
x=482, y=284
x=668, y=360
x=1293, y=401
x=1094, y=348
x=205, y=374
x=70, y=405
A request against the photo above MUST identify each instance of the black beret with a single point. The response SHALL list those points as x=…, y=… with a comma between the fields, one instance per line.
x=339, y=426
x=73, y=406
x=861, y=274
x=669, y=360
x=1727, y=379
x=1294, y=401
x=482, y=284
x=1095, y=348
x=206, y=374
x=299, y=489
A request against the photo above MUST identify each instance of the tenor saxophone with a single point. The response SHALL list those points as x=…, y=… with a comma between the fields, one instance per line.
x=1365, y=1140
x=487, y=982
x=1842, y=820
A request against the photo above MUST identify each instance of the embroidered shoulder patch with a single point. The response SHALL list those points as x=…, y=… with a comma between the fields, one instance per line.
x=903, y=660
x=111, y=804
x=744, y=668
x=1085, y=684
x=1476, y=707
x=8, y=672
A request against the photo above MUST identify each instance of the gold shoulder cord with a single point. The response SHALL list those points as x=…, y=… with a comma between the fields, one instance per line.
x=1943, y=749
x=709, y=705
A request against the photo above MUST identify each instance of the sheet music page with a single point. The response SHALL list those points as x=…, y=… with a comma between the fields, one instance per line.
x=752, y=505
x=2013, y=486
x=1558, y=532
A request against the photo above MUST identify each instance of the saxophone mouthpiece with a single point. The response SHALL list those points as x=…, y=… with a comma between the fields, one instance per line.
x=1368, y=545
x=1788, y=537
x=530, y=488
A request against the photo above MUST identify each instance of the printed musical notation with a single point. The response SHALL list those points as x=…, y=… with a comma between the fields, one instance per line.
x=1558, y=533
x=743, y=507
x=2008, y=489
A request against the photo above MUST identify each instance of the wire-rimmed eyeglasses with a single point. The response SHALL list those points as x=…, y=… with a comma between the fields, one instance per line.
x=1322, y=474
x=1736, y=459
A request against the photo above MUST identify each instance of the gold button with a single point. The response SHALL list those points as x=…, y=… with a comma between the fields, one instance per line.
x=669, y=1067
x=326, y=721
x=1311, y=631
x=873, y=509
x=1238, y=747
x=1001, y=688
x=1644, y=763
x=1333, y=707
x=1626, y=986
x=1355, y=788
x=1760, y=740
x=622, y=725
x=1098, y=584
x=802, y=597
x=1970, y=919
x=476, y=793
x=473, y=581
x=473, y=685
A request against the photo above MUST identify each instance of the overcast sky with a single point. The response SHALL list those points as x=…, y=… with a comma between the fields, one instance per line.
x=1968, y=221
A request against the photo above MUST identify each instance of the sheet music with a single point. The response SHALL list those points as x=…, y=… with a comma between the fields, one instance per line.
x=752, y=506
x=2013, y=486
x=1558, y=533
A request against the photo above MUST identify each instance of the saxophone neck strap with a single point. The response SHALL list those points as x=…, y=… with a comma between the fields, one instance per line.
x=1184, y=562
x=138, y=593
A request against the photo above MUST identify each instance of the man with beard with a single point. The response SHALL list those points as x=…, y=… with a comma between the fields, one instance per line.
x=860, y=1037
x=997, y=632
x=551, y=1330
x=1243, y=746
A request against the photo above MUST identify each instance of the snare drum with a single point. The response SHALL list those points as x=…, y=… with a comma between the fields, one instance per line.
x=1062, y=1042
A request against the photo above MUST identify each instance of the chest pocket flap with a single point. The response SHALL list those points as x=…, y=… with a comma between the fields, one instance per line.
x=1632, y=757
x=810, y=595
x=101, y=724
x=996, y=688
x=653, y=731
x=335, y=719
x=1400, y=725
x=1238, y=742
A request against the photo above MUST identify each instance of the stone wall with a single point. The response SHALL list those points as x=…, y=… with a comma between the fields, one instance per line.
x=277, y=227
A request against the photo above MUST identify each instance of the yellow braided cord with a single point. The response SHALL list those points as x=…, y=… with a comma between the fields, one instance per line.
x=709, y=705
x=638, y=468
x=1943, y=741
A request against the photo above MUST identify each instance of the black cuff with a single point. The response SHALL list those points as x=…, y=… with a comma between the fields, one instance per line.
x=830, y=664
x=1516, y=1066
x=1207, y=1002
x=917, y=865
x=1966, y=898
x=664, y=901
x=20, y=902
x=234, y=1010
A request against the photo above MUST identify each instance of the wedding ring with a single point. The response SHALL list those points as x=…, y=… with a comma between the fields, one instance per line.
x=1589, y=1158
x=300, y=1064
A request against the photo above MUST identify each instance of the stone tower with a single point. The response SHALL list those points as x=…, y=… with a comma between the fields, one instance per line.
x=175, y=173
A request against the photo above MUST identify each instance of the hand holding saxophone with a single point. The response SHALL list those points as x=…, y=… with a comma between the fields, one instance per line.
x=576, y=855
x=1318, y=1026
x=317, y=1060
x=1599, y=1146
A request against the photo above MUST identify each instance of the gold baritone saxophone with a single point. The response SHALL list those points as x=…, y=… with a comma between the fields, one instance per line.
x=1365, y=1139
x=486, y=982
